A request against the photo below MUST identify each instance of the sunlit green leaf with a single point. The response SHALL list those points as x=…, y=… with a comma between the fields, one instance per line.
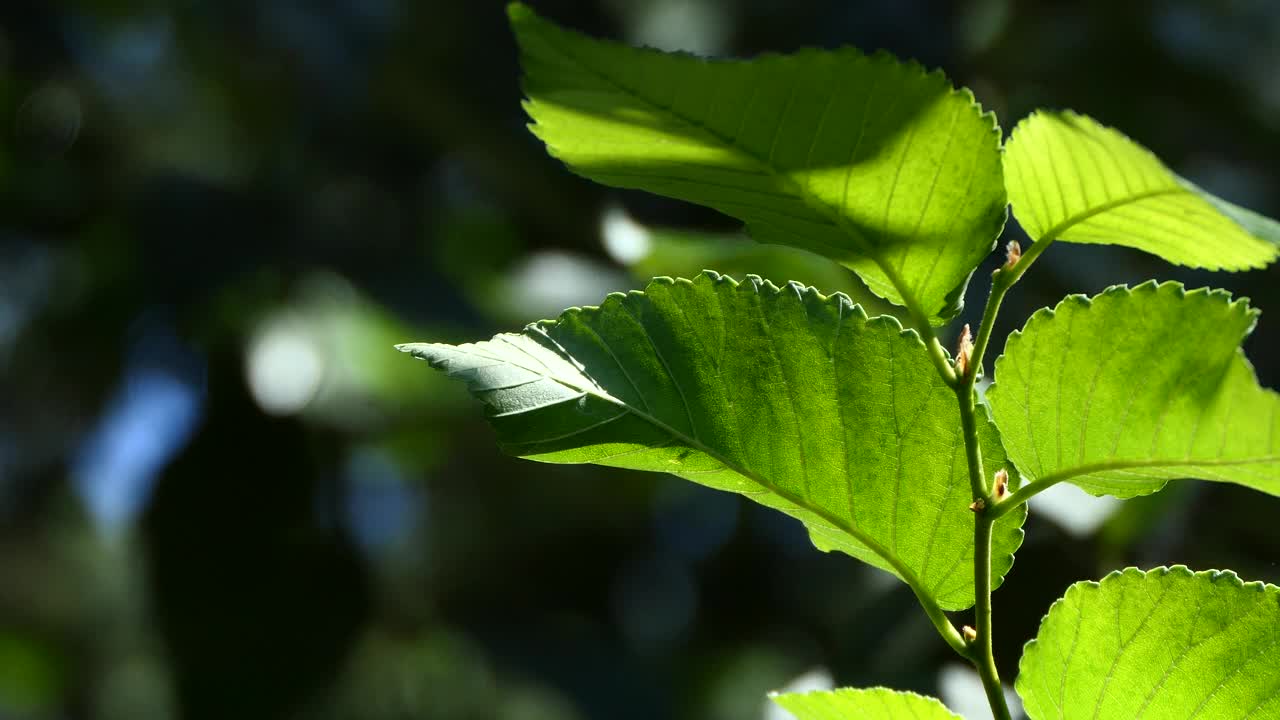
x=867, y=160
x=1073, y=179
x=1125, y=391
x=1167, y=643
x=879, y=703
x=791, y=398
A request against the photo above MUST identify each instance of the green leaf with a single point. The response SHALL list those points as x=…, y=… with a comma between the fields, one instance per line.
x=1122, y=392
x=869, y=161
x=879, y=703
x=1072, y=179
x=683, y=253
x=791, y=398
x=1167, y=643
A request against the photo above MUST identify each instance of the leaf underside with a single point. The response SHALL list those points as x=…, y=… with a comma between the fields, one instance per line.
x=1167, y=643
x=1125, y=391
x=791, y=398
x=1070, y=178
x=864, y=159
x=879, y=703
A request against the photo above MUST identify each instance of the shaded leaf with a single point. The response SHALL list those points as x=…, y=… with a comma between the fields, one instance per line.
x=1072, y=179
x=864, y=159
x=1122, y=392
x=791, y=398
x=879, y=703
x=1166, y=643
x=684, y=253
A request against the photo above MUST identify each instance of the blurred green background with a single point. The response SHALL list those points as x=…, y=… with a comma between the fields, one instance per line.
x=223, y=494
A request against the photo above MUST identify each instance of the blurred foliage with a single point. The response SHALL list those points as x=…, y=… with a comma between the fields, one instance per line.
x=222, y=494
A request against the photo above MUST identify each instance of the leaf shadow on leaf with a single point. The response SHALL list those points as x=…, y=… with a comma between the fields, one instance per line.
x=794, y=399
x=872, y=162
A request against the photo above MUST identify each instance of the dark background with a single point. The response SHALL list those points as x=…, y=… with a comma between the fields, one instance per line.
x=223, y=494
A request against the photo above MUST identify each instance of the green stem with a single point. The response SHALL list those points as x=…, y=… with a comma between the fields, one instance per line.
x=981, y=652
x=937, y=354
x=943, y=624
x=1025, y=493
x=973, y=449
x=1031, y=489
x=1001, y=283
x=983, y=656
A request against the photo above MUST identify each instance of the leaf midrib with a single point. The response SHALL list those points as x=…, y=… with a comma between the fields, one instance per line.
x=832, y=215
x=1056, y=231
x=836, y=522
x=1090, y=468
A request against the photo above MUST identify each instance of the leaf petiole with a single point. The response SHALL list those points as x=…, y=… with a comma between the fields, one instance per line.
x=1001, y=283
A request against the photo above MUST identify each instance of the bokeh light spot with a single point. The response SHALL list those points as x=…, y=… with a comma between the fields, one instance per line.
x=284, y=366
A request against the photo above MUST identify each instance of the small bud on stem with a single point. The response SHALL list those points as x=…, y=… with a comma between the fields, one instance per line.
x=1013, y=253
x=964, y=351
x=970, y=635
x=1001, y=487
x=978, y=505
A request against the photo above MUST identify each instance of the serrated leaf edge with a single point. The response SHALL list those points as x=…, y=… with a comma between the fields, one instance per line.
x=756, y=284
x=953, y=303
x=776, y=694
x=1085, y=303
x=1093, y=586
x=1184, y=186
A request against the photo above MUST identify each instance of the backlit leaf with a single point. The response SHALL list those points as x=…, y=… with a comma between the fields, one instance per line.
x=1122, y=392
x=1072, y=179
x=791, y=398
x=864, y=159
x=879, y=703
x=1167, y=643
